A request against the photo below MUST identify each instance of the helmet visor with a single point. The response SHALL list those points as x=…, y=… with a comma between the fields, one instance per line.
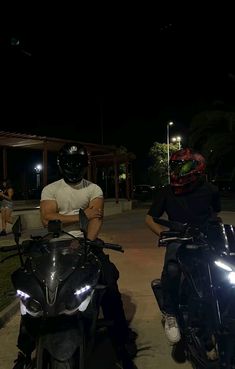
x=182, y=167
x=73, y=162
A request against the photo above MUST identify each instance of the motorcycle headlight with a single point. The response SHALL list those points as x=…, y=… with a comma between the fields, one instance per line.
x=85, y=303
x=84, y=295
x=33, y=306
x=22, y=295
x=79, y=300
x=231, y=277
x=29, y=305
x=231, y=273
x=82, y=290
x=223, y=265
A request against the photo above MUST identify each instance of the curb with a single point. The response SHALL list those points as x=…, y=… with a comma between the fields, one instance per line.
x=7, y=313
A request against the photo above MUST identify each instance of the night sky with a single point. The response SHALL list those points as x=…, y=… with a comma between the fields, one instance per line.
x=129, y=75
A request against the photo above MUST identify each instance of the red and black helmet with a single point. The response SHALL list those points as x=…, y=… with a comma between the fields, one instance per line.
x=186, y=166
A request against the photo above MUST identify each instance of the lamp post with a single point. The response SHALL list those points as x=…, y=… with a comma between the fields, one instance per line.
x=38, y=169
x=168, y=148
x=177, y=139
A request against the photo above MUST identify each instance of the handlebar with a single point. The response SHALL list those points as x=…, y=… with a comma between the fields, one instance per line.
x=113, y=246
x=179, y=232
x=103, y=245
x=170, y=239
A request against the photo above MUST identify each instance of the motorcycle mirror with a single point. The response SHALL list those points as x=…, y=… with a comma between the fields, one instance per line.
x=83, y=222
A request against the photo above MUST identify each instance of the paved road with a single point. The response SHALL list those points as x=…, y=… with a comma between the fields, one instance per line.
x=141, y=263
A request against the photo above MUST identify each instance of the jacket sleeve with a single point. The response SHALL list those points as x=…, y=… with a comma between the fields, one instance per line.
x=158, y=206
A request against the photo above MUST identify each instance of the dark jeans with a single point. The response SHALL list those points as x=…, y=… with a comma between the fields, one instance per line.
x=170, y=279
x=111, y=305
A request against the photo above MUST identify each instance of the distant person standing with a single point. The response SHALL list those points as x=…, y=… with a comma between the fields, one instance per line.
x=6, y=195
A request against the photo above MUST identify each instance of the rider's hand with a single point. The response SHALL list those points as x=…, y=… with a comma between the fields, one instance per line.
x=97, y=242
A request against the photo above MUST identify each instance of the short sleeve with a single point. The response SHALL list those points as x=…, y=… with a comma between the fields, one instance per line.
x=96, y=191
x=48, y=193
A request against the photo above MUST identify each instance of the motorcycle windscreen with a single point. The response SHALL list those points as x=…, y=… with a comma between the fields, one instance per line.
x=230, y=234
x=58, y=260
x=222, y=237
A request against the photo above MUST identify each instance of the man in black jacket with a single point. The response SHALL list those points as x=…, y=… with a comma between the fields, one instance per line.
x=188, y=199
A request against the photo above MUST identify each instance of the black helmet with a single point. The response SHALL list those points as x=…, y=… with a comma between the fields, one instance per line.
x=72, y=161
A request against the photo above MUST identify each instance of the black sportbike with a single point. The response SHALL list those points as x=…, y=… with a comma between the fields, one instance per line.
x=206, y=299
x=58, y=286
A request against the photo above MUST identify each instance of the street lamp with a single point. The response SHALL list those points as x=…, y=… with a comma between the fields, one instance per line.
x=177, y=139
x=38, y=169
x=168, y=148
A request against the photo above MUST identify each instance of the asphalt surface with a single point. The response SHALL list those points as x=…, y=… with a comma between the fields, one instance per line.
x=139, y=265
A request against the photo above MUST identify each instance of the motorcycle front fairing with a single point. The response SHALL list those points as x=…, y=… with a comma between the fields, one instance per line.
x=56, y=285
x=56, y=276
x=223, y=280
x=211, y=274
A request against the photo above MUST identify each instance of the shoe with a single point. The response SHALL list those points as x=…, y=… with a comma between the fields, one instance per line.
x=3, y=233
x=22, y=362
x=212, y=355
x=172, y=329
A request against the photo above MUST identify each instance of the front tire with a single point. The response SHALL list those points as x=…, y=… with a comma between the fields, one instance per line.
x=45, y=361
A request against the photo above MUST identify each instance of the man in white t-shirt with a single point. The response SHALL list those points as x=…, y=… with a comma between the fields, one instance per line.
x=62, y=200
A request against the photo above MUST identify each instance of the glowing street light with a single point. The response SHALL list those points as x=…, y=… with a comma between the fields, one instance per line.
x=168, y=148
x=177, y=139
x=38, y=169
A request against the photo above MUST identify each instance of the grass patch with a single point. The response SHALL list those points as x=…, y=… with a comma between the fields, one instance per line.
x=6, y=286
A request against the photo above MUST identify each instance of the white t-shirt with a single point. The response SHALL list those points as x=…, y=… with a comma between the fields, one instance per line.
x=70, y=198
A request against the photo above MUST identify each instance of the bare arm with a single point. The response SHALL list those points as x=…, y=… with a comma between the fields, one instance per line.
x=154, y=227
x=49, y=211
x=10, y=193
x=95, y=224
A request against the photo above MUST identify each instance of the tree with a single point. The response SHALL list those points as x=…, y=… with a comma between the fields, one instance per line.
x=213, y=134
x=158, y=171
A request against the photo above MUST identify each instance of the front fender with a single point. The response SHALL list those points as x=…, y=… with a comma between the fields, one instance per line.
x=62, y=345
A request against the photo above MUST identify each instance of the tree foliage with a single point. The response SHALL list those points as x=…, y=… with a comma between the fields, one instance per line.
x=213, y=134
x=159, y=168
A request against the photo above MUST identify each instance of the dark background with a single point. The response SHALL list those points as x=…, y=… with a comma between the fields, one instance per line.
x=114, y=75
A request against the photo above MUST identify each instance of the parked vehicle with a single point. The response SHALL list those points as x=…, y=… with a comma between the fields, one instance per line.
x=143, y=192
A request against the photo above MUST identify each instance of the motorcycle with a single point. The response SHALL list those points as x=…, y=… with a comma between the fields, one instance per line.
x=58, y=287
x=206, y=295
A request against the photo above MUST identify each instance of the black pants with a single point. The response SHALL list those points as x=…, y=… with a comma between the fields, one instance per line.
x=170, y=279
x=112, y=307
